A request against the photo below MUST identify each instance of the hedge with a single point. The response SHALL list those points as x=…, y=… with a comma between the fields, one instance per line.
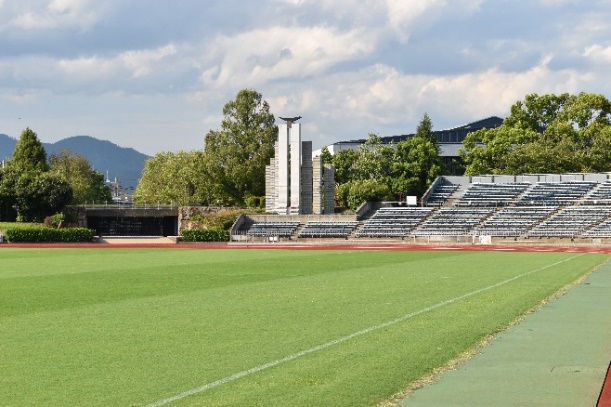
x=204, y=235
x=48, y=235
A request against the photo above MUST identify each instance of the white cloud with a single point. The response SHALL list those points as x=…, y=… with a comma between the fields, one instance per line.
x=598, y=54
x=141, y=62
x=406, y=16
x=255, y=57
x=350, y=67
x=57, y=14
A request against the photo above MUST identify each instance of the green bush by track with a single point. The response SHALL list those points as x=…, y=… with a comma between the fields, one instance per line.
x=48, y=235
x=204, y=235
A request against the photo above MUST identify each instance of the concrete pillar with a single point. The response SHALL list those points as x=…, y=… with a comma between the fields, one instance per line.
x=282, y=170
x=295, y=167
x=306, y=178
x=317, y=192
x=329, y=187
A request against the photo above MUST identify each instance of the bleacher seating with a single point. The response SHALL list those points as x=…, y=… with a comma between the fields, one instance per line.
x=441, y=193
x=600, y=230
x=492, y=194
x=272, y=229
x=513, y=221
x=556, y=193
x=600, y=195
x=571, y=221
x=328, y=229
x=393, y=222
x=559, y=209
x=452, y=221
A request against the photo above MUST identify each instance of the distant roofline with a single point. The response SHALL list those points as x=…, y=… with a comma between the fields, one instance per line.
x=465, y=126
x=462, y=127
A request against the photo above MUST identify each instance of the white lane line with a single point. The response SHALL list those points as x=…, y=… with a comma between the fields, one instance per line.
x=294, y=356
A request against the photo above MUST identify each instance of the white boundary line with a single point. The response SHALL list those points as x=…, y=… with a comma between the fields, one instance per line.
x=294, y=356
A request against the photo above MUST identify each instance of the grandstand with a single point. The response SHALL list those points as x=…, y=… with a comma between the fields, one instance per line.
x=513, y=221
x=467, y=209
x=393, y=222
x=328, y=229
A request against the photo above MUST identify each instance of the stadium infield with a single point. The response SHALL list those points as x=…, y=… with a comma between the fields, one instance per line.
x=561, y=327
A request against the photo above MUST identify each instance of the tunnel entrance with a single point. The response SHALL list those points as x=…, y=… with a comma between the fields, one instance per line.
x=132, y=221
x=133, y=226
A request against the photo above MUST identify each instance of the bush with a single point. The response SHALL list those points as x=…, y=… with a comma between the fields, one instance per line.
x=219, y=220
x=204, y=235
x=54, y=221
x=48, y=235
x=369, y=190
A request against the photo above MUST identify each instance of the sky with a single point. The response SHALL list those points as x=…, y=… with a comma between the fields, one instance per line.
x=155, y=75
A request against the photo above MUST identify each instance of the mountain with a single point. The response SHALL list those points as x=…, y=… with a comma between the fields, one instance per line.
x=126, y=164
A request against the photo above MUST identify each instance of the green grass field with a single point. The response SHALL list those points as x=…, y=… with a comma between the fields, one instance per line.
x=134, y=327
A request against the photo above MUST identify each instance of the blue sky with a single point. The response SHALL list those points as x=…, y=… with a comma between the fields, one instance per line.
x=154, y=75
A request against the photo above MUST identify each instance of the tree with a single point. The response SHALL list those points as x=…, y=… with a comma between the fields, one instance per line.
x=7, y=195
x=29, y=154
x=425, y=131
x=367, y=190
x=343, y=162
x=87, y=185
x=415, y=167
x=374, y=159
x=549, y=133
x=177, y=178
x=28, y=191
x=326, y=156
x=40, y=194
x=236, y=155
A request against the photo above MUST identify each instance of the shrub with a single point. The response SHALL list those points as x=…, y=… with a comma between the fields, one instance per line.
x=204, y=235
x=54, y=221
x=219, y=220
x=369, y=190
x=48, y=235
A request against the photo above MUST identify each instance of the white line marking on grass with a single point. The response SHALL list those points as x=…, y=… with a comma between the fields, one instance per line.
x=294, y=356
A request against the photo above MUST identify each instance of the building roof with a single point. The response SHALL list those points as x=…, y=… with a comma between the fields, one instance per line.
x=487, y=123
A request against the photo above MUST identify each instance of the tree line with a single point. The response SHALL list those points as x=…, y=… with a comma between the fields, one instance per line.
x=231, y=168
x=542, y=134
x=545, y=134
x=33, y=186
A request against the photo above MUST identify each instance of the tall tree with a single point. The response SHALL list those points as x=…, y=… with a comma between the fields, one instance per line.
x=177, y=178
x=425, y=130
x=29, y=154
x=343, y=162
x=28, y=191
x=7, y=195
x=237, y=154
x=87, y=185
x=549, y=133
x=40, y=194
x=415, y=167
x=374, y=159
x=326, y=156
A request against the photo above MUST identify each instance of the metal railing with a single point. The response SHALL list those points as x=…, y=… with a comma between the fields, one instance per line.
x=123, y=205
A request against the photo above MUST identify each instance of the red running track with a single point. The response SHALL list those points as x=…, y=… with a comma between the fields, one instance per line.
x=317, y=246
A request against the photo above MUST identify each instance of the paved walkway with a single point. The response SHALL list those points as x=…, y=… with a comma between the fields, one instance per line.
x=557, y=356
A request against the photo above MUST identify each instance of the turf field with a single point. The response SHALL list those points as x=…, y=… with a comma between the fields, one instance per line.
x=152, y=327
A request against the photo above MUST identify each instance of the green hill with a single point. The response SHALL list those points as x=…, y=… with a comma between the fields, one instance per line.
x=126, y=164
